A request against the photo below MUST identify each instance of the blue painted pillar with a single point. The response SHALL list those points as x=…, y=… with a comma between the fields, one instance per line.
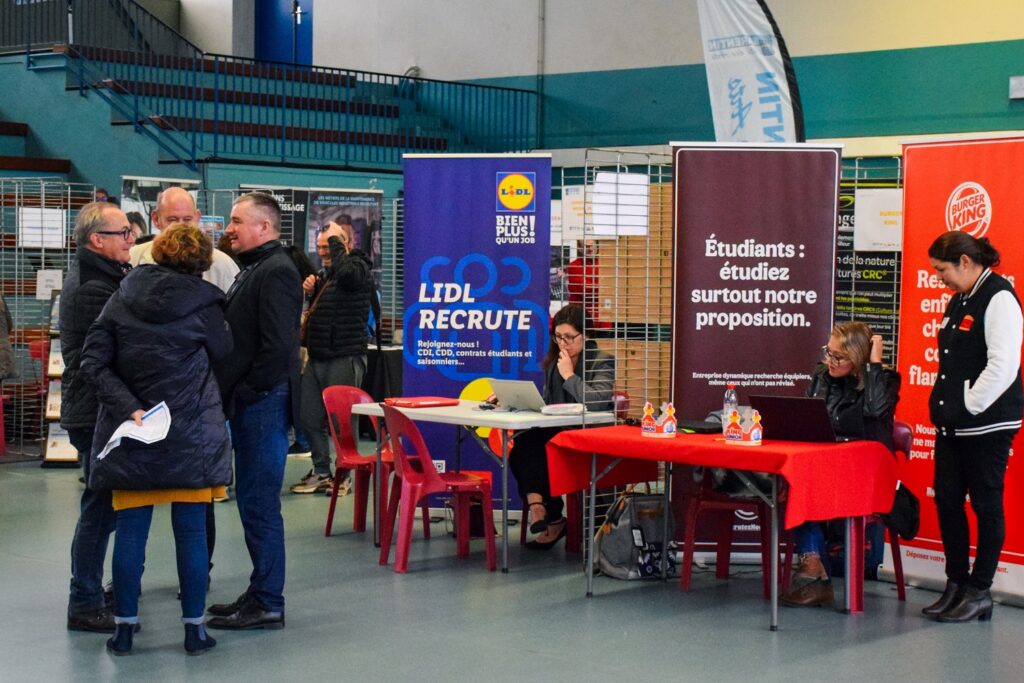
x=279, y=37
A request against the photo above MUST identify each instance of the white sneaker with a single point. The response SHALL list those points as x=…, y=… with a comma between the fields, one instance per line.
x=313, y=482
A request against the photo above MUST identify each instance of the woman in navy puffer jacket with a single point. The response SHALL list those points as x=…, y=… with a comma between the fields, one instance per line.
x=155, y=342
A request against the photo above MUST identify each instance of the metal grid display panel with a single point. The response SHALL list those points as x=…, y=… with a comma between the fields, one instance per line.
x=24, y=204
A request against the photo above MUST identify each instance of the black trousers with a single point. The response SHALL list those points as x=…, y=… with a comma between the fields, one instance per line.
x=528, y=460
x=976, y=466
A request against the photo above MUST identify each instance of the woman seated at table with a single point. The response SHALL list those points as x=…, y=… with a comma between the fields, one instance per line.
x=861, y=397
x=565, y=381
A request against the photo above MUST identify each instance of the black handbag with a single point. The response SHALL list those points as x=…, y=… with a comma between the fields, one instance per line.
x=905, y=516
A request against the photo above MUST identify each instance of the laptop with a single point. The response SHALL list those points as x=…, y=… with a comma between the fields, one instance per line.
x=795, y=418
x=517, y=394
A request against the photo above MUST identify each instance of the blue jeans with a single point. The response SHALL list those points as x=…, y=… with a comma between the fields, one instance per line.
x=92, y=533
x=809, y=537
x=189, y=523
x=259, y=432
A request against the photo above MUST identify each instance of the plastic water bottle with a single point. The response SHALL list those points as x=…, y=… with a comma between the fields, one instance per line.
x=730, y=403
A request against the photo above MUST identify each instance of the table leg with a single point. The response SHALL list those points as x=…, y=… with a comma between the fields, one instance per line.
x=504, y=501
x=774, y=561
x=853, y=534
x=380, y=486
x=591, y=512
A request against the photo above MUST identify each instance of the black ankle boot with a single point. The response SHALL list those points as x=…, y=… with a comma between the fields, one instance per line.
x=197, y=642
x=949, y=596
x=121, y=642
x=975, y=603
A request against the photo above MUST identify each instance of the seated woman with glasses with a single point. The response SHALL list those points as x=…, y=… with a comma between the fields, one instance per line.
x=575, y=371
x=861, y=396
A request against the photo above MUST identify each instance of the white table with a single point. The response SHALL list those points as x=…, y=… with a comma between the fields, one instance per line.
x=469, y=415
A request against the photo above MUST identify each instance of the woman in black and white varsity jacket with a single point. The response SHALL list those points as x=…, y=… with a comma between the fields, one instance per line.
x=976, y=406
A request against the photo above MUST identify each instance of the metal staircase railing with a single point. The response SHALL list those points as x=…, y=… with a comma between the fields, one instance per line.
x=203, y=106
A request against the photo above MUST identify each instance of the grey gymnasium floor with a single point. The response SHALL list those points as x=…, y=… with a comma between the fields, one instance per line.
x=349, y=619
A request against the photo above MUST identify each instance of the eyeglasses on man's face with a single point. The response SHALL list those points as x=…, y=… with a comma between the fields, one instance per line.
x=565, y=338
x=125, y=234
x=830, y=357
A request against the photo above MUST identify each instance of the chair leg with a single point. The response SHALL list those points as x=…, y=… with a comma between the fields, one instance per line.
x=334, y=504
x=361, y=484
x=523, y=523
x=388, y=522
x=574, y=523
x=897, y=565
x=425, y=508
x=689, y=535
x=724, y=546
x=461, y=503
x=406, y=519
x=488, y=510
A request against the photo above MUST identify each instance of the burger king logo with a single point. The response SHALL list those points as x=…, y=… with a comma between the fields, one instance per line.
x=969, y=209
x=516, y=191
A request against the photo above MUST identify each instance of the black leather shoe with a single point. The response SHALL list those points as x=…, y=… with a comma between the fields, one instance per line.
x=250, y=616
x=121, y=642
x=228, y=608
x=538, y=545
x=100, y=620
x=975, y=603
x=949, y=597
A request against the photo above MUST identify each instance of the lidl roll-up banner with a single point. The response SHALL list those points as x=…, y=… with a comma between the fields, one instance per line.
x=477, y=254
x=975, y=186
x=755, y=237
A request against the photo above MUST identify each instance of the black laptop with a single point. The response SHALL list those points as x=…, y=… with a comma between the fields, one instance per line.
x=795, y=418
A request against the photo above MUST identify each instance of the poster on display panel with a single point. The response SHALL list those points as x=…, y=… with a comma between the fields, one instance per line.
x=140, y=193
x=476, y=278
x=974, y=186
x=755, y=239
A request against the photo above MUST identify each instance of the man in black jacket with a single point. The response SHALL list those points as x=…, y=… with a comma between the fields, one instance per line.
x=104, y=238
x=263, y=308
x=336, y=335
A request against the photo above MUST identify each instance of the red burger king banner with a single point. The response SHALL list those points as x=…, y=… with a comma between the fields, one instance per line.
x=975, y=186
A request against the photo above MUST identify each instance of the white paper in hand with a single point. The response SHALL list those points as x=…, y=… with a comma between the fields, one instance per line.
x=155, y=425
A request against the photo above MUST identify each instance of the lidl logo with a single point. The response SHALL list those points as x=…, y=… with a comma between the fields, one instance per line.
x=516, y=192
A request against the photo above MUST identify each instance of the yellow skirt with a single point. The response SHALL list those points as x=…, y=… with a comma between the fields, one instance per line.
x=124, y=500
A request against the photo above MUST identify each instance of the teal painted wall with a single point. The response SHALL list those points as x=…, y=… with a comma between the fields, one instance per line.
x=949, y=89
x=65, y=125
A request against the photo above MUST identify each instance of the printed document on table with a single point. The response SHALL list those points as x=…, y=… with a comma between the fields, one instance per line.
x=155, y=425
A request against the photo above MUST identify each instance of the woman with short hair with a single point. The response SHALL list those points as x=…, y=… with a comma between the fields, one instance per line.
x=154, y=342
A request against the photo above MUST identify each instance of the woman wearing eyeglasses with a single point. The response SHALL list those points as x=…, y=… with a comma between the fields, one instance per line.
x=861, y=397
x=976, y=407
x=575, y=371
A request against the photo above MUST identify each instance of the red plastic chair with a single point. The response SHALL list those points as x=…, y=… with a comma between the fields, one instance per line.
x=903, y=439
x=338, y=400
x=703, y=498
x=416, y=479
x=39, y=349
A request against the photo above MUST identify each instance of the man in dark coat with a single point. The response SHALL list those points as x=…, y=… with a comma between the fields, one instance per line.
x=336, y=333
x=263, y=309
x=104, y=239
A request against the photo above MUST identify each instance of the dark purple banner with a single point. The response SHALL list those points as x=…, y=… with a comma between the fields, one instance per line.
x=755, y=237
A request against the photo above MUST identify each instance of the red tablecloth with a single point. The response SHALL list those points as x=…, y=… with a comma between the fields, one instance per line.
x=826, y=480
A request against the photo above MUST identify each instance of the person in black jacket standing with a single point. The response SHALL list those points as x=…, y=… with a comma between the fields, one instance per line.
x=104, y=239
x=154, y=344
x=336, y=333
x=263, y=309
x=976, y=406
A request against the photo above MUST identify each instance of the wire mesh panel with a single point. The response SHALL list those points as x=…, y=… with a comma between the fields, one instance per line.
x=37, y=216
x=392, y=263
x=868, y=282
